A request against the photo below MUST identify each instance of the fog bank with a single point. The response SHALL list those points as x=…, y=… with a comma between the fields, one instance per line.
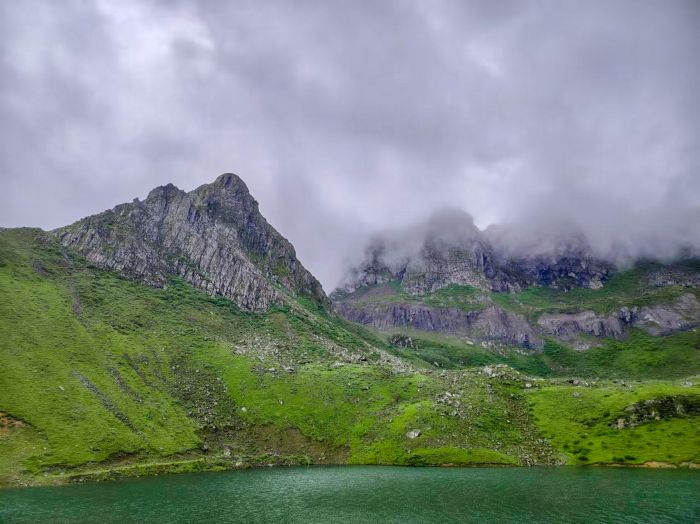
x=348, y=118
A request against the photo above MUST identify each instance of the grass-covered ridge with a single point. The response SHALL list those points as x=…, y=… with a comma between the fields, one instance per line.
x=580, y=420
x=636, y=353
x=100, y=375
x=627, y=288
x=638, y=356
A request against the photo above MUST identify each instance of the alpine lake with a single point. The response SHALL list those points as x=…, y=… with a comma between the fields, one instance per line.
x=370, y=494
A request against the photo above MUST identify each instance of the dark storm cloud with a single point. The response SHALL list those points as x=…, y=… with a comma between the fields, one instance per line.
x=349, y=117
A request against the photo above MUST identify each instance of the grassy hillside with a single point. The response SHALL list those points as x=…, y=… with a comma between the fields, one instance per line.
x=580, y=420
x=102, y=376
x=640, y=355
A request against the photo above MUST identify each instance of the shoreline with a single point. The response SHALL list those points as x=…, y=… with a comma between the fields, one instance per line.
x=200, y=465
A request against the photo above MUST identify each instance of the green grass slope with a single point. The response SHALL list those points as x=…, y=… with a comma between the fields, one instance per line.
x=101, y=376
x=640, y=355
x=580, y=420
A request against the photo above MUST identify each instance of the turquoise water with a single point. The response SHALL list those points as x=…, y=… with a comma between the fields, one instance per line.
x=371, y=494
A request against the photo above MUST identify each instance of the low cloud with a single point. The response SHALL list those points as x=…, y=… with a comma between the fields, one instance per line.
x=348, y=118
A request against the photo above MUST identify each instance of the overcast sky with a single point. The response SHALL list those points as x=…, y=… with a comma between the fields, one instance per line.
x=349, y=117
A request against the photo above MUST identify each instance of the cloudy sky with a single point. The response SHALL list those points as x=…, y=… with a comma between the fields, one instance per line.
x=348, y=117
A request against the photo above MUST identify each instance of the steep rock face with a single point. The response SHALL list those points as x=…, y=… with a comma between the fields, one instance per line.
x=429, y=277
x=213, y=237
x=450, y=250
x=658, y=320
x=492, y=324
x=500, y=325
x=680, y=315
x=567, y=325
x=438, y=266
x=567, y=271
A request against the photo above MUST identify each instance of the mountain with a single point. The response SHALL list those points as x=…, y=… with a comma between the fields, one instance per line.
x=448, y=278
x=181, y=333
x=450, y=249
x=213, y=238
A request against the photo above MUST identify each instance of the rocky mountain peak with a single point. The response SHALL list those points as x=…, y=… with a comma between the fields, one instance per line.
x=166, y=191
x=232, y=182
x=229, y=187
x=449, y=277
x=213, y=237
x=449, y=249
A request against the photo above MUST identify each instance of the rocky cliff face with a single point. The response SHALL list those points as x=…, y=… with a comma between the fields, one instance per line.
x=454, y=251
x=213, y=237
x=489, y=325
x=566, y=326
x=449, y=277
x=659, y=320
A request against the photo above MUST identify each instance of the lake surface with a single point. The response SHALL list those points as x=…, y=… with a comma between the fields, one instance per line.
x=371, y=494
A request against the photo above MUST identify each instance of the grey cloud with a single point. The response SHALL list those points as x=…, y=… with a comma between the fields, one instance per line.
x=347, y=118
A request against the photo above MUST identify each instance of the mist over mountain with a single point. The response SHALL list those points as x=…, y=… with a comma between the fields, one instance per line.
x=453, y=230
x=616, y=235
x=181, y=333
x=348, y=119
x=448, y=233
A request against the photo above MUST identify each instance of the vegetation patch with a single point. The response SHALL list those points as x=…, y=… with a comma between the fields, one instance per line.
x=581, y=422
x=103, y=377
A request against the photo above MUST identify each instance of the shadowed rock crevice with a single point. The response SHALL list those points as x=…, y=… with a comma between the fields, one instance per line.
x=106, y=402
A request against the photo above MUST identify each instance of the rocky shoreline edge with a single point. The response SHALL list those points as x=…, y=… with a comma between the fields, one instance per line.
x=201, y=465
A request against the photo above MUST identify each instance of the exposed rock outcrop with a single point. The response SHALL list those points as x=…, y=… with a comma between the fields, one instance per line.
x=575, y=268
x=658, y=409
x=658, y=320
x=491, y=324
x=665, y=319
x=439, y=265
x=566, y=326
x=450, y=249
x=448, y=276
x=213, y=237
x=402, y=341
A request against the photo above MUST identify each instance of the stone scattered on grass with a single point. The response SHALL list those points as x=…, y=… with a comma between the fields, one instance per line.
x=414, y=433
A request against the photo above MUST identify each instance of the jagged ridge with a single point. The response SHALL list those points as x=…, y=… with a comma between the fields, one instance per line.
x=447, y=276
x=213, y=237
x=450, y=249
